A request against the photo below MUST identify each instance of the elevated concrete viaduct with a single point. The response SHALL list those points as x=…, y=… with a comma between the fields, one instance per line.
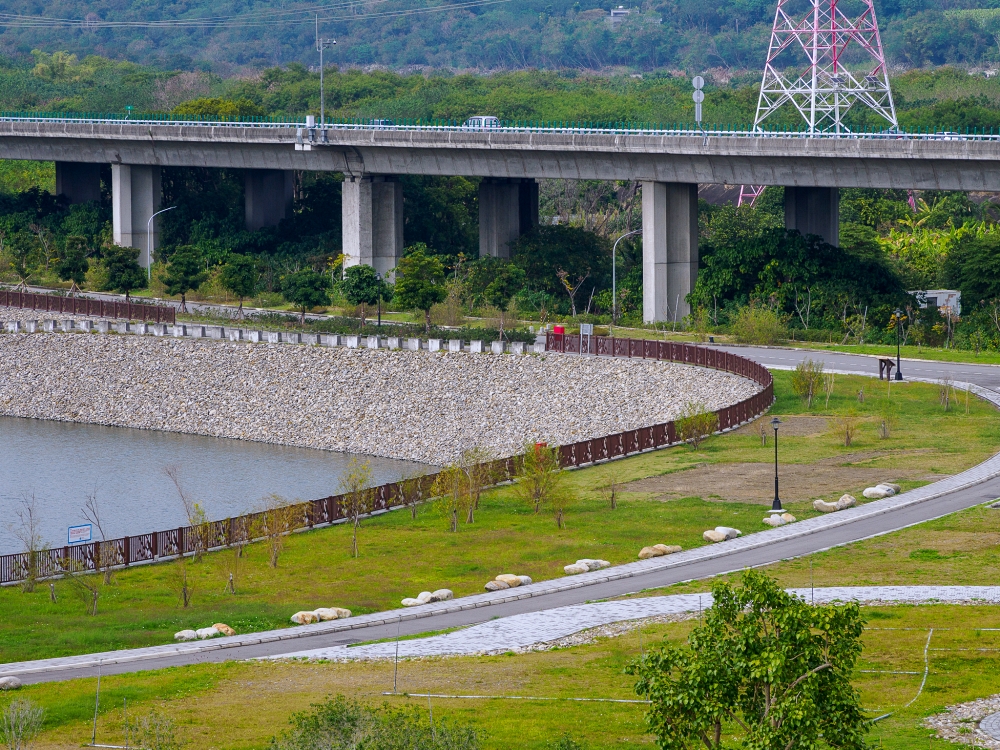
x=670, y=165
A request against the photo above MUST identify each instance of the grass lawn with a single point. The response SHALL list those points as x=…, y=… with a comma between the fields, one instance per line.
x=238, y=706
x=401, y=557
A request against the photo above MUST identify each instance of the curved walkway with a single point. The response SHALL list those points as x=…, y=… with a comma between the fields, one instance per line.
x=978, y=485
x=523, y=631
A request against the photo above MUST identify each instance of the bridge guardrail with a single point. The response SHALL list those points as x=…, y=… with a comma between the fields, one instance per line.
x=561, y=128
x=185, y=540
x=85, y=306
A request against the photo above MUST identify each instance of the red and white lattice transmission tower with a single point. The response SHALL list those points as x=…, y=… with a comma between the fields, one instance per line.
x=812, y=44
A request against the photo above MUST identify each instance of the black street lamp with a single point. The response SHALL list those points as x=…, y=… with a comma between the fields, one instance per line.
x=776, y=505
x=379, y=277
x=899, y=325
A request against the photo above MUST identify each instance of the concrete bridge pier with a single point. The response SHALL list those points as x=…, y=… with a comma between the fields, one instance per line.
x=669, y=249
x=508, y=208
x=814, y=210
x=372, y=221
x=135, y=197
x=80, y=182
x=267, y=196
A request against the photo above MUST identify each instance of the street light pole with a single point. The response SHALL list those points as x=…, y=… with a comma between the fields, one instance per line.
x=322, y=44
x=776, y=505
x=149, y=242
x=614, y=278
x=899, y=325
x=379, y=277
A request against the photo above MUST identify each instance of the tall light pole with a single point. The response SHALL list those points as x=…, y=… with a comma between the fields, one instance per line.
x=776, y=505
x=322, y=44
x=899, y=324
x=614, y=278
x=149, y=242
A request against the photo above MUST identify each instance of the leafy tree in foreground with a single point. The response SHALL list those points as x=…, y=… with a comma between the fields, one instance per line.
x=185, y=273
x=766, y=667
x=124, y=272
x=362, y=286
x=240, y=277
x=306, y=289
x=420, y=281
x=73, y=264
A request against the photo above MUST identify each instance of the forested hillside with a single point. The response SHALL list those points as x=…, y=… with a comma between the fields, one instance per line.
x=222, y=35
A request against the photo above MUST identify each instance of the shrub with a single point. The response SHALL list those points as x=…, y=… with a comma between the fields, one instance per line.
x=806, y=380
x=846, y=427
x=695, y=424
x=755, y=324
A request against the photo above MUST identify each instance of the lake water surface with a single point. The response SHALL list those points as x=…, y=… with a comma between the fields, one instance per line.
x=61, y=463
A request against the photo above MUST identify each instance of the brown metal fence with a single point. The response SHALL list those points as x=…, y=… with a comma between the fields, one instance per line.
x=217, y=534
x=98, y=308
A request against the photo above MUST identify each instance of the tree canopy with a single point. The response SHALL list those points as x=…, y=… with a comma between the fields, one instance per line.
x=124, y=272
x=185, y=273
x=420, y=281
x=766, y=671
x=306, y=289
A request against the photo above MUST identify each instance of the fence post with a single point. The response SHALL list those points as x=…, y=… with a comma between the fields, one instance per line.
x=127, y=549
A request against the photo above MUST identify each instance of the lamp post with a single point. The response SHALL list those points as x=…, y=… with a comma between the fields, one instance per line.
x=899, y=325
x=379, y=277
x=149, y=242
x=776, y=505
x=614, y=278
x=322, y=44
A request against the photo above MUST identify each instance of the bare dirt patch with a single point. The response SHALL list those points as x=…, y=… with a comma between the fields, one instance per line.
x=754, y=483
x=791, y=426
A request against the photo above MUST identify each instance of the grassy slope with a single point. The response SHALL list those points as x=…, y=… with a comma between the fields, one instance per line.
x=400, y=557
x=241, y=705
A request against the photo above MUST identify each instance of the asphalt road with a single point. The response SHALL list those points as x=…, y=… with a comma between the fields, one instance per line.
x=982, y=375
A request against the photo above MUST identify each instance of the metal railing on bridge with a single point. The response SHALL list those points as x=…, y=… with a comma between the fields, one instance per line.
x=562, y=127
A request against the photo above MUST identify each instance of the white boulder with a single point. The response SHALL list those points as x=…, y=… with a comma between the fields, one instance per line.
x=424, y=597
x=442, y=595
x=331, y=613
x=775, y=520
x=525, y=580
x=878, y=492
x=186, y=635
x=658, y=550
x=894, y=487
x=9, y=683
x=574, y=569
x=304, y=618
x=845, y=501
x=511, y=580
x=729, y=531
x=713, y=536
x=209, y=632
x=496, y=586
x=409, y=602
x=593, y=564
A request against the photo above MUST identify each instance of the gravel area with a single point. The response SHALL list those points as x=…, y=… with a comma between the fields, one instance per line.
x=962, y=723
x=419, y=406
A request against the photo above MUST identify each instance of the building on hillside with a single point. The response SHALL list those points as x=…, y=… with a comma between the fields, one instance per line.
x=949, y=300
x=618, y=15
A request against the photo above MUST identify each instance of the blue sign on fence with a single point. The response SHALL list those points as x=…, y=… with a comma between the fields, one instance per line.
x=80, y=534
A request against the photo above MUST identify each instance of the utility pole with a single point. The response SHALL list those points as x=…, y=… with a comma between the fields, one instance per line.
x=322, y=44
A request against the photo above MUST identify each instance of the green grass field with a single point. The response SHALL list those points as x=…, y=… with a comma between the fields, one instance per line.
x=401, y=557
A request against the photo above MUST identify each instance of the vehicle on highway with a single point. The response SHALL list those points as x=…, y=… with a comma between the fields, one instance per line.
x=379, y=124
x=481, y=122
x=947, y=135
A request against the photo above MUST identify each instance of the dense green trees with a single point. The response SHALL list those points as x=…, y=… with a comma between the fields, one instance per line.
x=124, y=274
x=362, y=286
x=240, y=277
